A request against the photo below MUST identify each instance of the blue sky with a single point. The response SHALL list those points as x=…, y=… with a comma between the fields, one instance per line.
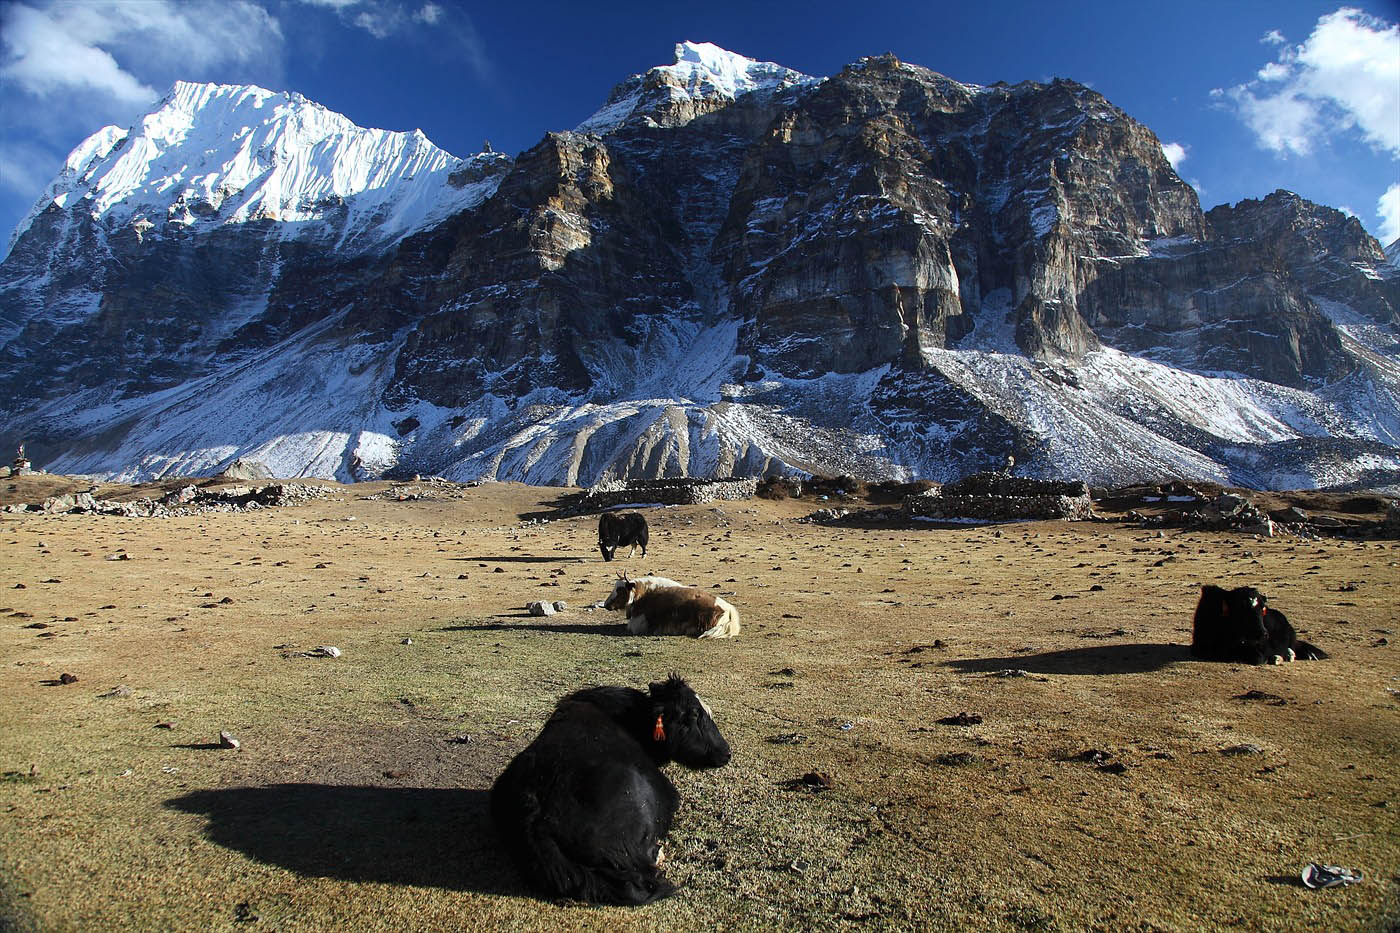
x=1248, y=96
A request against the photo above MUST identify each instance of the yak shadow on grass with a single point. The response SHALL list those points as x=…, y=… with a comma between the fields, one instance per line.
x=426, y=836
x=1099, y=659
x=528, y=559
x=563, y=628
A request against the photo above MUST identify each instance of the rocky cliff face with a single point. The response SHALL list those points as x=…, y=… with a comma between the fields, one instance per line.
x=731, y=268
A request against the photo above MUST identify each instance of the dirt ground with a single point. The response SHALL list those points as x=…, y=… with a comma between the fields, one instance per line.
x=1107, y=782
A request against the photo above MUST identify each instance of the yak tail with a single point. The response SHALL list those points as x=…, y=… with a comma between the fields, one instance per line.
x=728, y=624
x=1306, y=651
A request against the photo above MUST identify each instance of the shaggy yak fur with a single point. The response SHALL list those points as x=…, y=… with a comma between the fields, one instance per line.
x=658, y=606
x=1237, y=625
x=584, y=808
x=628, y=529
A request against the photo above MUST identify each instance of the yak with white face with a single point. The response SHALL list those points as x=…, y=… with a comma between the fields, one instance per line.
x=658, y=606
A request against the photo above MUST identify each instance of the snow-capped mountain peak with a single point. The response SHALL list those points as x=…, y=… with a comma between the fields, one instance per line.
x=702, y=72
x=213, y=154
x=704, y=68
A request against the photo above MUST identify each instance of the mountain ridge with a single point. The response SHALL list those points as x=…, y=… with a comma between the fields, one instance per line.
x=884, y=272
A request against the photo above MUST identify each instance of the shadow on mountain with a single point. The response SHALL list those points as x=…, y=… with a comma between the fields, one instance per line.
x=1100, y=659
x=431, y=837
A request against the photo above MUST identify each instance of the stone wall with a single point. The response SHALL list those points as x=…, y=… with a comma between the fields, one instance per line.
x=678, y=491
x=995, y=497
x=187, y=500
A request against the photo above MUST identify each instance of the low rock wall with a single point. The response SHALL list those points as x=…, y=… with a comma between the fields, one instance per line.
x=680, y=491
x=186, y=500
x=998, y=497
x=999, y=508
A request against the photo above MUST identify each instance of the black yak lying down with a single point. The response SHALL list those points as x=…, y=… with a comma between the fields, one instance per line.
x=1237, y=625
x=628, y=529
x=584, y=808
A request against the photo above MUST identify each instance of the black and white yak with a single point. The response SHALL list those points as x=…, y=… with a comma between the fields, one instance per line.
x=658, y=606
x=628, y=529
x=1238, y=626
x=584, y=808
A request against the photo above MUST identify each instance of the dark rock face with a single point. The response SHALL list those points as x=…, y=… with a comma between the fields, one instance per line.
x=876, y=215
x=887, y=273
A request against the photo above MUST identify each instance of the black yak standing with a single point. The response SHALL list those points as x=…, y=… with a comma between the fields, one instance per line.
x=618, y=530
x=584, y=808
x=1237, y=625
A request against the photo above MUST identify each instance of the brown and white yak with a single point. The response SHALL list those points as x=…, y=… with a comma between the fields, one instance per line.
x=658, y=606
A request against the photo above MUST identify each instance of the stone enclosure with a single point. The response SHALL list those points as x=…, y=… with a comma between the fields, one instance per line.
x=997, y=497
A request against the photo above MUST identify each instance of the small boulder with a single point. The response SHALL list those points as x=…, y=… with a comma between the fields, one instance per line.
x=1227, y=503
x=1291, y=515
x=538, y=608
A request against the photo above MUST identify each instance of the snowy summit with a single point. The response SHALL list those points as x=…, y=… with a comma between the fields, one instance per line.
x=214, y=154
x=702, y=72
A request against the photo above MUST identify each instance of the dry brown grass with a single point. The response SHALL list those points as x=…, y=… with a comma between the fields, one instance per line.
x=349, y=806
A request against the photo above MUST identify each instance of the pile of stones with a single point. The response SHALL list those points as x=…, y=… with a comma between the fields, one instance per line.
x=1232, y=512
x=420, y=488
x=187, y=500
x=1226, y=512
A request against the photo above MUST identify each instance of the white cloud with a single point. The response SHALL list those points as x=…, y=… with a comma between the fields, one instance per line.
x=1388, y=210
x=379, y=18
x=1175, y=153
x=451, y=26
x=1273, y=37
x=70, y=67
x=1345, y=78
x=101, y=45
x=43, y=57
